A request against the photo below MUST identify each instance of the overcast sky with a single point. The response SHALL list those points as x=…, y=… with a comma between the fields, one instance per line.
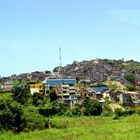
x=31, y=32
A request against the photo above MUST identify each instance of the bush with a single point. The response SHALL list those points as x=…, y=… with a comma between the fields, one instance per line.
x=17, y=118
x=11, y=116
x=53, y=108
x=129, y=111
x=138, y=111
x=107, y=111
x=68, y=113
x=33, y=120
x=130, y=77
x=38, y=99
x=76, y=111
x=130, y=87
x=52, y=95
x=119, y=112
x=21, y=95
x=92, y=107
x=47, y=110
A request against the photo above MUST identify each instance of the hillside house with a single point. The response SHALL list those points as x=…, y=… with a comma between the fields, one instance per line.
x=36, y=88
x=65, y=88
x=126, y=98
x=7, y=87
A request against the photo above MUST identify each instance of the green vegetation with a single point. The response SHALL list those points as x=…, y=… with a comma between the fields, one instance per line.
x=20, y=111
x=53, y=95
x=21, y=95
x=130, y=87
x=32, y=117
x=81, y=85
x=84, y=128
x=107, y=111
x=132, y=64
x=130, y=77
x=92, y=107
x=113, y=87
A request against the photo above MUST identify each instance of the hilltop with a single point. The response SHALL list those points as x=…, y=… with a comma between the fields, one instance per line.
x=102, y=70
x=92, y=71
x=37, y=76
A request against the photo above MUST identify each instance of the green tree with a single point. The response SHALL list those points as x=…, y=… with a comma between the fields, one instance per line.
x=76, y=111
x=130, y=87
x=52, y=95
x=92, y=107
x=33, y=120
x=21, y=95
x=11, y=115
x=53, y=108
x=38, y=99
x=130, y=77
x=16, y=83
x=107, y=111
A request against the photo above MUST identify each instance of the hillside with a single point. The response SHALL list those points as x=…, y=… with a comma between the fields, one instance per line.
x=37, y=75
x=102, y=69
x=93, y=71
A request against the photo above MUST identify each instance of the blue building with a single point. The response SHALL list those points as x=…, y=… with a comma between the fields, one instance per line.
x=101, y=88
x=59, y=82
x=66, y=90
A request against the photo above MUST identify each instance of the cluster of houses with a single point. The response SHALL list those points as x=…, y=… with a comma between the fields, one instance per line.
x=125, y=98
x=70, y=94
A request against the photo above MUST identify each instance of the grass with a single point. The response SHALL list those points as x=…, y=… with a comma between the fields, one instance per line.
x=84, y=128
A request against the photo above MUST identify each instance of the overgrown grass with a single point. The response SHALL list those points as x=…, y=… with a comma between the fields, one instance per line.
x=84, y=128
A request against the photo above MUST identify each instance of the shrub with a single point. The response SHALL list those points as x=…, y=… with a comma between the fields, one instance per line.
x=33, y=120
x=129, y=111
x=17, y=118
x=21, y=95
x=38, y=99
x=53, y=108
x=138, y=111
x=11, y=116
x=52, y=95
x=119, y=112
x=68, y=113
x=47, y=110
x=76, y=111
x=130, y=77
x=92, y=107
x=107, y=111
x=130, y=87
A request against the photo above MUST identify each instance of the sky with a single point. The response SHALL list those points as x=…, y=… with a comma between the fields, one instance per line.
x=31, y=32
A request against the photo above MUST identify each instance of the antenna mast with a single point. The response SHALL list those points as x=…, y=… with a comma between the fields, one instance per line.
x=60, y=61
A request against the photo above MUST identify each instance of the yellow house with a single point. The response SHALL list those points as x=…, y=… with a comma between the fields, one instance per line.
x=36, y=87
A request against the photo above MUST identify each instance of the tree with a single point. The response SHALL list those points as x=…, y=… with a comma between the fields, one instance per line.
x=38, y=99
x=52, y=95
x=130, y=77
x=53, y=108
x=11, y=115
x=92, y=107
x=130, y=87
x=76, y=111
x=16, y=83
x=107, y=111
x=77, y=79
x=21, y=95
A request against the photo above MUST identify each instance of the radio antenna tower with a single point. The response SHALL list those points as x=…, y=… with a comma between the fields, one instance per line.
x=60, y=61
